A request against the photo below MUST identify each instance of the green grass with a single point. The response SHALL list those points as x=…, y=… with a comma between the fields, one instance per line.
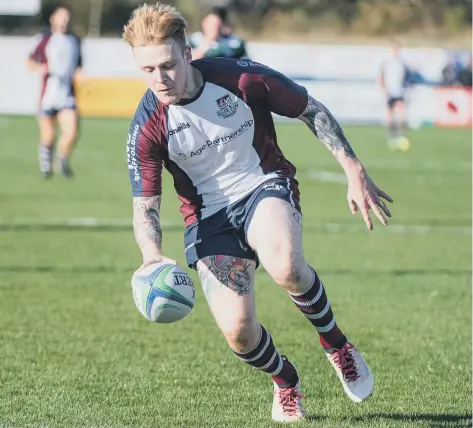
x=74, y=351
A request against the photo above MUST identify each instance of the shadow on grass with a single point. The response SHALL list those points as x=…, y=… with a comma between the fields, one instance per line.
x=434, y=420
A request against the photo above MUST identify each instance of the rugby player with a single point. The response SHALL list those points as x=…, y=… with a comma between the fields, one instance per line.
x=57, y=58
x=209, y=123
x=217, y=38
x=392, y=79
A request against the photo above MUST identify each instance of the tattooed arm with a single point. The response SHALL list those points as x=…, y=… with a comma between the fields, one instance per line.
x=363, y=194
x=326, y=128
x=286, y=98
x=147, y=228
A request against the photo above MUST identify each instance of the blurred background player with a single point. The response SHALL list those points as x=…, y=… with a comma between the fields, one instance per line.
x=393, y=78
x=217, y=38
x=57, y=58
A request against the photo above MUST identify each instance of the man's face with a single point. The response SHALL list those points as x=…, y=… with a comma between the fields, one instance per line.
x=60, y=20
x=165, y=67
x=211, y=27
x=395, y=48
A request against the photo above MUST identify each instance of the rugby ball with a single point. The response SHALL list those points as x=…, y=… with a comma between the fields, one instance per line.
x=163, y=293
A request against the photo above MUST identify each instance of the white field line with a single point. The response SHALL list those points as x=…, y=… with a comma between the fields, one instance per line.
x=418, y=178
x=327, y=176
x=94, y=222
x=407, y=165
x=427, y=165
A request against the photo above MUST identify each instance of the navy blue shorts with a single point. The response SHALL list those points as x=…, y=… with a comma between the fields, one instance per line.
x=393, y=100
x=55, y=111
x=224, y=233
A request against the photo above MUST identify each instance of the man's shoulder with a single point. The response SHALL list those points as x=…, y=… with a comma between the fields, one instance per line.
x=234, y=39
x=147, y=108
x=230, y=69
x=43, y=35
x=74, y=36
x=218, y=65
x=150, y=120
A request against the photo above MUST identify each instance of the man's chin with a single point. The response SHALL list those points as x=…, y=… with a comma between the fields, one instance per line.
x=167, y=99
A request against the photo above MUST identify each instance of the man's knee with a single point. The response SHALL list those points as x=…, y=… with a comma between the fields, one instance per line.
x=242, y=334
x=69, y=134
x=286, y=270
x=47, y=131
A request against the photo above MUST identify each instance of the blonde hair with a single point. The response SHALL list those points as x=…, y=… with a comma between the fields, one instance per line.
x=152, y=24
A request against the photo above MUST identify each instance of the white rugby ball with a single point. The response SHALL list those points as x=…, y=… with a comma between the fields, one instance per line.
x=163, y=292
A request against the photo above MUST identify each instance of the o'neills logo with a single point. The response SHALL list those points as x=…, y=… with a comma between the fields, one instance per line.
x=180, y=128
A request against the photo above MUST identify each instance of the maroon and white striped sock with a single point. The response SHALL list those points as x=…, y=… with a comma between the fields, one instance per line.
x=315, y=305
x=266, y=358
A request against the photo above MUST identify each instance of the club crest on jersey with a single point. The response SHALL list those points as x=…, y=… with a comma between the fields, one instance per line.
x=226, y=107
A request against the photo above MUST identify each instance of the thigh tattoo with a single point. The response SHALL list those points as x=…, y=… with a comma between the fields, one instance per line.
x=232, y=272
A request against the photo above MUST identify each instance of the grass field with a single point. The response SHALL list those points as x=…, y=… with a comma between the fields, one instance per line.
x=74, y=351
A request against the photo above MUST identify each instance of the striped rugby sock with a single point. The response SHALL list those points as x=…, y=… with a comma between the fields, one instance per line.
x=266, y=358
x=315, y=305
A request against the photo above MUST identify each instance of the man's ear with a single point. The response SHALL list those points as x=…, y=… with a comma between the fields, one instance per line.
x=188, y=53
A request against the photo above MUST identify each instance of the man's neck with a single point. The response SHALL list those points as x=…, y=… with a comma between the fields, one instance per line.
x=194, y=82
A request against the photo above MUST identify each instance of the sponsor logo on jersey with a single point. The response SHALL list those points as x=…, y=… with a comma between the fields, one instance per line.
x=229, y=137
x=180, y=128
x=220, y=141
x=131, y=152
x=252, y=64
x=226, y=107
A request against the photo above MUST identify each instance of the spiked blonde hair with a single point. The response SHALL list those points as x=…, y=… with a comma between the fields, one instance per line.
x=152, y=24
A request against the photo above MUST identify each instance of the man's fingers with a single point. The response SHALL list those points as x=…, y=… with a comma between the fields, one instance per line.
x=366, y=217
x=384, y=195
x=353, y=206
x=378, y=212
x=383, y=206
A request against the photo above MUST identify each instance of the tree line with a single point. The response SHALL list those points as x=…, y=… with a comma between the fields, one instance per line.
x=369, y=17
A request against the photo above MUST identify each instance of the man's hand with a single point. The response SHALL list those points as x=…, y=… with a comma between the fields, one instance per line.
x=79, y=75
x=43, y=69
x=364, y=195
x=37, y=67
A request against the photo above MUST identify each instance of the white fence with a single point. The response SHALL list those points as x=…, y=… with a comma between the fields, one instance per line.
x=343, y=77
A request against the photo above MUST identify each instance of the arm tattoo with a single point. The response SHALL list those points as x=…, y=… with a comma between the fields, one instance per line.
x=232, y=272
x=322, y=123
x=146, y=226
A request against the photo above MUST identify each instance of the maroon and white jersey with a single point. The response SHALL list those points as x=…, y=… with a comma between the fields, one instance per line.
x=219, y=145
x=62, y=55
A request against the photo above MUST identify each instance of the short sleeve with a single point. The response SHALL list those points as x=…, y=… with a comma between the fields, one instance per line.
x=282, y=95
x=145, y=163
x=38, y=54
